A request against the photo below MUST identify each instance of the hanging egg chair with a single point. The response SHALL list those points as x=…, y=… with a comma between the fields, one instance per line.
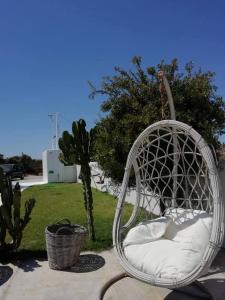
x=176, y=226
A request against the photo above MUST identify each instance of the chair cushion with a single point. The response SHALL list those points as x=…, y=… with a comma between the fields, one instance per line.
x=163, y=258
x=147, y=231
x=177, y=251
x=192, y=227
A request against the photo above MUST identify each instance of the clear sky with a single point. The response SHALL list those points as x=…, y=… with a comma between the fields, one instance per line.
x=49, y=49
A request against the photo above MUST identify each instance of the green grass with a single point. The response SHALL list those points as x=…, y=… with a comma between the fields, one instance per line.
x=58, y=201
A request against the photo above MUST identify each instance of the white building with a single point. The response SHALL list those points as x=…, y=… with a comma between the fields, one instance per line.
x=54, y=170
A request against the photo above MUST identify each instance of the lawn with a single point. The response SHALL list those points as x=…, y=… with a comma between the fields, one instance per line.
x=58, y=201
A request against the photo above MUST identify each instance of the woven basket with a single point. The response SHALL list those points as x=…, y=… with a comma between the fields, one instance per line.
x=63, y=244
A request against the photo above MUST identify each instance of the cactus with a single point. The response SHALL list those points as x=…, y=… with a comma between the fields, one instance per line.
x=75, y=149
x=10, y=219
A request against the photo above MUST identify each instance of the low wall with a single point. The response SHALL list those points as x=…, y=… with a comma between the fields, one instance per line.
x=107, y=186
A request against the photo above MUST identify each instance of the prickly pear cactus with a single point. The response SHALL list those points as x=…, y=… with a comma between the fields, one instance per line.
x=75, y=149
x=10, y=219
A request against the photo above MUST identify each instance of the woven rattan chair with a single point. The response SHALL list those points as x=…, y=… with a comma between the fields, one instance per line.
x=174, y=170
x=177, y=183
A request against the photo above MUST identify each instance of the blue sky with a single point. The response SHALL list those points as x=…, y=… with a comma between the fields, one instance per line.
x=49, y=49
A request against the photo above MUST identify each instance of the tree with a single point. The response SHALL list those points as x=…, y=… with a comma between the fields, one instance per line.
x=2, y=158
x=30, y=165
x=76, y=149
x=26, y=161
x=134, y=101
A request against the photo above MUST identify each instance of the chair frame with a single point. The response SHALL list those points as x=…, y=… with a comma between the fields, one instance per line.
x=217, y=231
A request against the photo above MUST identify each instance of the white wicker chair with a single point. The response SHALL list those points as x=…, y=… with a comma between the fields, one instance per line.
x=173, y=168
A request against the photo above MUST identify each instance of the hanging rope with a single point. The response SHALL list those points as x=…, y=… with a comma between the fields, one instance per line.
x=163, y=95
x=166, y=96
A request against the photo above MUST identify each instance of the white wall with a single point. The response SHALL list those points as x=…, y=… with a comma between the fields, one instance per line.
x=69, y=174
x=45, y=166
x=54, y=170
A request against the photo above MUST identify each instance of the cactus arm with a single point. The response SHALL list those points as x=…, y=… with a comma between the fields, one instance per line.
x=6, y=218
x=14, y=225
x=10, y=190
x=89, y=205
x=29, y=205
x=6, y=194
x=16, y=205
x=69, y=153
x=2, y=231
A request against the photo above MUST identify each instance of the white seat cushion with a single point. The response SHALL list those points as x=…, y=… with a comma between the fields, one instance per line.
x=147, y=231
x=175, y=253
x=163, y=258
x=192, y=227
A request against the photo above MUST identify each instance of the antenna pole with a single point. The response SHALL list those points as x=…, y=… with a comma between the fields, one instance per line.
x=56, y=131
x=54, y=117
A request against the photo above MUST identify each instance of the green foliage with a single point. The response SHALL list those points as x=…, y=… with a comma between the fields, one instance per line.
x=133, y=101
x=2, y=158
x=10, y=219
x=75, y=149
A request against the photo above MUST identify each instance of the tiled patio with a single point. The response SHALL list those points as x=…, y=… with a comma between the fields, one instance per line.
x=32, y=279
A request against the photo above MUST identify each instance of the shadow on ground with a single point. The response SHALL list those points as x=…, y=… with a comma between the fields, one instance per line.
x=5, y=273
x=88, y=263
x=218, y=264
x=22, y=255
x=27, y=265
x=24, y=259
x=215, y=287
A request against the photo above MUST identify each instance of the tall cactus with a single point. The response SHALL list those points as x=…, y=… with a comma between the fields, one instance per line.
x=75, y=149
x=10, y=219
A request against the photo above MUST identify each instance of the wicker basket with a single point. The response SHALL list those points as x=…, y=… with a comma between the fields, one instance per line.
x=63, y=243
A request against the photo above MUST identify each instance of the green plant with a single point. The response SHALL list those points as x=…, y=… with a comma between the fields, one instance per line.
x=76, y=149
x=133, y=100
x=10, y=219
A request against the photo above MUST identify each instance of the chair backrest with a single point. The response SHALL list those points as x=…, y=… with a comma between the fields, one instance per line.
x=174, y=168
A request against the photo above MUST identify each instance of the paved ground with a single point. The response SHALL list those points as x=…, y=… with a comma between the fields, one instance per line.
x=32, y=279
x=29, y=180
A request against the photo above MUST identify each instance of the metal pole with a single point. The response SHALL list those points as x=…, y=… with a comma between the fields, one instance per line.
x=52, y=128
x=175, y=142
x=54, y=117
x=170, y=98
x=56, y=131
